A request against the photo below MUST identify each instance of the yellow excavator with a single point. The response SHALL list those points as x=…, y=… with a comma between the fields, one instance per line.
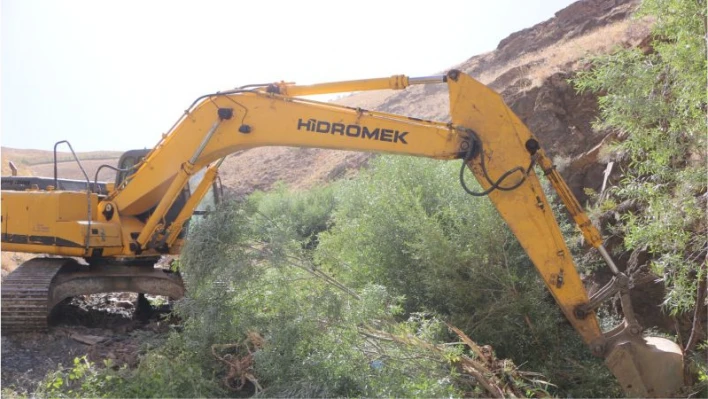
x=104, y=237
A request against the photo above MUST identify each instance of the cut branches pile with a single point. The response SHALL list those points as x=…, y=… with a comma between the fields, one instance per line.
x=239, y=362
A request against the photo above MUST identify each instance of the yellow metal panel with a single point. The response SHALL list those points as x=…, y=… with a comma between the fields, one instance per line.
x=71, y=205
x=53, y=222
x=396, y=82
x=102, y=234
x=15, y=213
x=525, y=209
x=3, y=218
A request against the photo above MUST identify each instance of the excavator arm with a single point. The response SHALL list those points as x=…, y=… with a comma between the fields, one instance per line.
x=484, y=133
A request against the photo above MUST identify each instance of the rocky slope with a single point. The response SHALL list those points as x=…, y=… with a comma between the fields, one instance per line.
x=530, y=68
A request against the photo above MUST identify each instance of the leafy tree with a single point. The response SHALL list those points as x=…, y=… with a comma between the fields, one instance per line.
x=656, y=100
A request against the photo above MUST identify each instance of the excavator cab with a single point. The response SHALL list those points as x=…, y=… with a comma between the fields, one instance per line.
x=129, y=163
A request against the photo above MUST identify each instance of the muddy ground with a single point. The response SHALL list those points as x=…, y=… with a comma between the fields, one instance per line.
x=104, y=326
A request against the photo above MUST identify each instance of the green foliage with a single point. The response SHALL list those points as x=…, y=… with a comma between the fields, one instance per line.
x=264, y=280
x=396, y=250
x=10, y=393
x=657, y=101
x=406, y=224
x=298, y=216
x=161, y=373
x=82, y=379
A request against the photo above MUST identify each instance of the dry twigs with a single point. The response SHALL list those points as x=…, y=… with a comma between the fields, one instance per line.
x=240, y=369
x=499, y=378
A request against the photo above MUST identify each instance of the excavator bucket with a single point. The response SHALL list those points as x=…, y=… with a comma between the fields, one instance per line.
x=648, y=367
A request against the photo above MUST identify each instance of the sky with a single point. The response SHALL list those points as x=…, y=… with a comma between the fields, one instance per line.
x=115, y=75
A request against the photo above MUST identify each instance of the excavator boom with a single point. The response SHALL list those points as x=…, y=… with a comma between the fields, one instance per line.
x=484, y=133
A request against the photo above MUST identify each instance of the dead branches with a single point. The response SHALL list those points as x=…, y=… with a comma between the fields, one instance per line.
x=240, y=368
x=498, y=378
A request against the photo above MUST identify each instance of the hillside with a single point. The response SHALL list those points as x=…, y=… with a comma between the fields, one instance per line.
x=41, y=162
x=529, y=68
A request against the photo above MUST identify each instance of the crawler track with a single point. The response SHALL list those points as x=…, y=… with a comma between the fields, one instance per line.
x=25, y=295
x=31, y=291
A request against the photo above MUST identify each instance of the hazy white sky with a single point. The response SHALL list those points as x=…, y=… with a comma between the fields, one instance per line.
x=115, y=75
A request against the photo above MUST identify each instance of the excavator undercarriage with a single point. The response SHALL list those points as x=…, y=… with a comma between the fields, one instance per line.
x=31, y=291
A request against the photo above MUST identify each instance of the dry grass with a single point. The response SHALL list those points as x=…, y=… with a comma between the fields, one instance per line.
x=22, y=170
x=37, y=157
x=70, y=170
x=40, y=163
x=565, y=55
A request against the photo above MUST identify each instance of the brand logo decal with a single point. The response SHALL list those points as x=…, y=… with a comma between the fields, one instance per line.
x=354, y=131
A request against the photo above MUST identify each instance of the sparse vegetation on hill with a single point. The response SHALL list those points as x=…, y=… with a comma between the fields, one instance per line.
x=38, y=157
x=41, y=162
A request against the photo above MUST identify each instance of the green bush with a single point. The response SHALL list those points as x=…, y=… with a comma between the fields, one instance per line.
x=397, y=250
x=657, y=102
x=408, y=225
x=264, y=280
